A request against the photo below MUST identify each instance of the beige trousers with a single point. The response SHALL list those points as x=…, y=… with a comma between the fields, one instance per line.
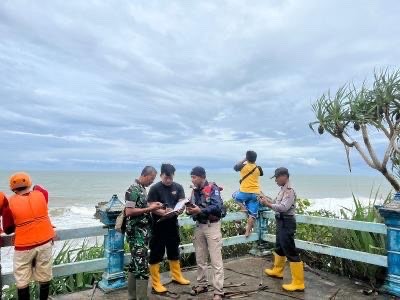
x=208, y=241
x=24, y=272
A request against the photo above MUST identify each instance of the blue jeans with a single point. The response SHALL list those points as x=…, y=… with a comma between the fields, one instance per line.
x=250, y=201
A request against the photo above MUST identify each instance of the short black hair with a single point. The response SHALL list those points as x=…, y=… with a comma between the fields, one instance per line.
x=198, y=171
x=148, y=170
x=251, y=156
x=167, y=169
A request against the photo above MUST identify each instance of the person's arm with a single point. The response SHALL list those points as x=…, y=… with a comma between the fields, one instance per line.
x=131, y=210
x=261, y=171
x=239, y=165
x=153, y=196
x=43, y=191
x=287, y=202
x=7, y=217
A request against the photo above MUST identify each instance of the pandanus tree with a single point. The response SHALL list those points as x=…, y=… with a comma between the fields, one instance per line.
x=362, y=117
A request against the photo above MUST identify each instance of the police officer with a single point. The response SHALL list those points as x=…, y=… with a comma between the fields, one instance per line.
x=165, y=229
x=284, y=206
x=138, y=224
x=206, y=209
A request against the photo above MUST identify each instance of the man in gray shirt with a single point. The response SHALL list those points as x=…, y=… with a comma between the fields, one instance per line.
x=284, y=206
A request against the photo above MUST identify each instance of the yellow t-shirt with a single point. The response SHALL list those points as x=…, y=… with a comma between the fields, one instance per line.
x=251, y=184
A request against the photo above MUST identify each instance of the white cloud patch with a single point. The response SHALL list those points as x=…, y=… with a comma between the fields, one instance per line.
x=122, y=83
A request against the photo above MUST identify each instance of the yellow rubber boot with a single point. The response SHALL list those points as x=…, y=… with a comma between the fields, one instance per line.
x=297, y=270
x=176, y=273
x=155, y=279
x=279, y=266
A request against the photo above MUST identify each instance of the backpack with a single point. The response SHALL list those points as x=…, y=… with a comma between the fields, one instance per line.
x=207, y=191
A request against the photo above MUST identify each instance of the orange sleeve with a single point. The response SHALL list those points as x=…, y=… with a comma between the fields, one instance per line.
x=43, y=191
x=7, y=216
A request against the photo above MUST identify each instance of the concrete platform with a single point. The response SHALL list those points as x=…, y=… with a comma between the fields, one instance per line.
x=247, y=272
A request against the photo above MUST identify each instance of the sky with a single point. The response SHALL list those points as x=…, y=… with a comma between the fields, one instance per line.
x=116, y=85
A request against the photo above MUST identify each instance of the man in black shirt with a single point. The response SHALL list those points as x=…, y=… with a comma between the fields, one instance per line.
x=165, y=229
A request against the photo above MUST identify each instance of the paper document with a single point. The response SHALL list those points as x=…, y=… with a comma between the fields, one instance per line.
x=177, y=208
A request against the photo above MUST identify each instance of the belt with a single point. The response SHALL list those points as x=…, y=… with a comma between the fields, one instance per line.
x=281, y=216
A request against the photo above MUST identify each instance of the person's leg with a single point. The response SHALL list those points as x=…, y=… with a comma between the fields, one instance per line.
x=279, y=256
x=157, y=251
x=240, y=199
x=43, y=271
x=44, y=290
x=252, y=206
x=138, y=240
x=201, y=252
x=292, y=254
x=131, y=269
x=142, y=278
x=173, y=256
x=23, y=272
x=214, y=240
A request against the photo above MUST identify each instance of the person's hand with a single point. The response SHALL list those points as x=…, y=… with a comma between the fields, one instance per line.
x=181, y=211
x=264, y=201
x=193, y=210
x=155, y=205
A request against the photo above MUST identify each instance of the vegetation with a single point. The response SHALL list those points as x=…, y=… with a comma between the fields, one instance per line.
x=355, y=114
x=344, y=238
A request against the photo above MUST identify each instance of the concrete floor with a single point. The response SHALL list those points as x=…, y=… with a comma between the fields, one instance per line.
x=247, y=271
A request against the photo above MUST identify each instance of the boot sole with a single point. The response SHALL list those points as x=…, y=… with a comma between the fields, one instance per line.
x=298, y=290
x=158, y=293
x=177, y=282
x=272, y=276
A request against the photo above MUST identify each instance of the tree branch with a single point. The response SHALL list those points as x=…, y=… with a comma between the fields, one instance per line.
x=385, y=131
x=359, y=149
x=391, y=127
x=389, y=150
x=371, y=150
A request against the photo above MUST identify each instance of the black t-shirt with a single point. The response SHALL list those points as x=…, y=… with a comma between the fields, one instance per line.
x=168, y=195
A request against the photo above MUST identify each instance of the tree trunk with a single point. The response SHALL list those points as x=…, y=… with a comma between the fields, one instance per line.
x=395, y=184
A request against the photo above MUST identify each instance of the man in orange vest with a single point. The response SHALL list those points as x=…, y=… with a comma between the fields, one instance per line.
x=34, y=236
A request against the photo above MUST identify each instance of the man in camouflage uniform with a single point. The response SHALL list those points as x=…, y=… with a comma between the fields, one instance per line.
x=138, y=225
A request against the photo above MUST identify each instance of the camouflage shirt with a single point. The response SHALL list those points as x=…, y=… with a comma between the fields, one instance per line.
x=135, y=197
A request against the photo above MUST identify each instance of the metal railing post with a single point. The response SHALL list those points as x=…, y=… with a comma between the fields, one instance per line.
x=259, y=248
x=391, y=213
x=114, y=276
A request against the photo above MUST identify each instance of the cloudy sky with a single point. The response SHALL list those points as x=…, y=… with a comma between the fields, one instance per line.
x=100, y=85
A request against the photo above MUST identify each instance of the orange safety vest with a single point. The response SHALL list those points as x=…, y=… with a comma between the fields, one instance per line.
x=31, y=218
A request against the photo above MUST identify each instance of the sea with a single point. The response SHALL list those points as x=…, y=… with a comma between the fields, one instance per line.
x=74, y=195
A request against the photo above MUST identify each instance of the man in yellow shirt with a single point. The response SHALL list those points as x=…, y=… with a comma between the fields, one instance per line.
x=249, y=191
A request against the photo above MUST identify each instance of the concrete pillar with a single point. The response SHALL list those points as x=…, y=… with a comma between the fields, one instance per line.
x=113, y=276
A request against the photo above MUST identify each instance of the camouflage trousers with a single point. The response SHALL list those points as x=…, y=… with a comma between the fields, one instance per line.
x=138, y=240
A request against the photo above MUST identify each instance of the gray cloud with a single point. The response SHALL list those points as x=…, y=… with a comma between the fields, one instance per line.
x=120, y=84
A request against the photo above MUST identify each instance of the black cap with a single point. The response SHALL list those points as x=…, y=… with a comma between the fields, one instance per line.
x=281, y=171
x=198, y=171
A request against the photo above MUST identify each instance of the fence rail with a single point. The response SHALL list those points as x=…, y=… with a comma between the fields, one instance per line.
x=101, y=263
